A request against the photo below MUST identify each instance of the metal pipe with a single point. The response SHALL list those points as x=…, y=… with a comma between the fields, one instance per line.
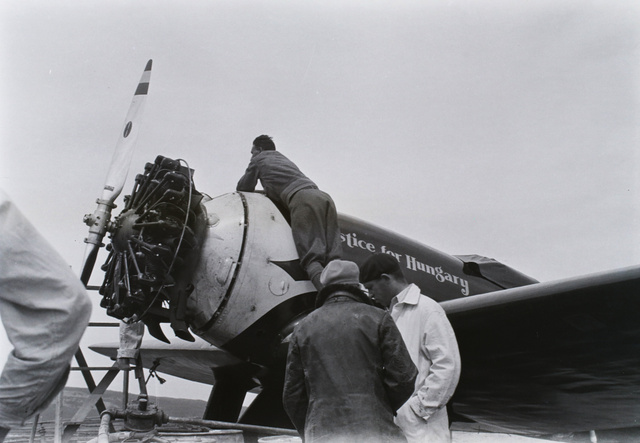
x=99, y=368
x=228, y=425
x=125, y=389
x=32, y=436
x=57, y=433
x=103, y=431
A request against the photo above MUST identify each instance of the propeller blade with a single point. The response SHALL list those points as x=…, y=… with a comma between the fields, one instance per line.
x=121, y=160
x=90, y=255
x=116, y=176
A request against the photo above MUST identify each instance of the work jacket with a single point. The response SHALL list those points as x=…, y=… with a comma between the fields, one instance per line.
x=280, y=177
x=348, y=370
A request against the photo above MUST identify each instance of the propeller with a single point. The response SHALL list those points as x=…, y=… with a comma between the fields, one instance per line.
x=155, y=239
x=98, y=222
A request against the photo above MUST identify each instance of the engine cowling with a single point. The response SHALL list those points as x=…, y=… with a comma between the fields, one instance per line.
x=248, y=274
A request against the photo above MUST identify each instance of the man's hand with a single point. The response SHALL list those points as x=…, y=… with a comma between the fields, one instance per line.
x=406, y=419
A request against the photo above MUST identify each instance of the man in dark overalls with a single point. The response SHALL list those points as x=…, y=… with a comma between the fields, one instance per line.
x=314, y=221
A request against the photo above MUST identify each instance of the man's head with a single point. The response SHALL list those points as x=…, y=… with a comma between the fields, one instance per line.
x=262, y=143
x=340, y=275
x=383, y=278
x=340, y=272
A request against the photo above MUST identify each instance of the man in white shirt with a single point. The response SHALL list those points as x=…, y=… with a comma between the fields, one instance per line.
x=432, y=345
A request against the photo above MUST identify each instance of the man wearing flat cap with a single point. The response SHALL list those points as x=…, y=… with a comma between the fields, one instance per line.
x=348, y=369
x=432, y=345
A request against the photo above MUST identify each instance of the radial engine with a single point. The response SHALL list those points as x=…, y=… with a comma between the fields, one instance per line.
x=154, y=243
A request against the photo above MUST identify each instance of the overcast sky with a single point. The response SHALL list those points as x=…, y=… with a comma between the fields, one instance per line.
x=503, y=128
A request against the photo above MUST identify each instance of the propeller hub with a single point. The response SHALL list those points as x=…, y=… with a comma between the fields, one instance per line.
x=124, y=231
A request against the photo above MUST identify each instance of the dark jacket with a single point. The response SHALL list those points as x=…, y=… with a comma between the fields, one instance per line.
x=279, y=176
x=348, y=371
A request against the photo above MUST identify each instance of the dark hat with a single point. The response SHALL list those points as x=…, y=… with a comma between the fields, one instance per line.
x=376, y=265
x=340, y=272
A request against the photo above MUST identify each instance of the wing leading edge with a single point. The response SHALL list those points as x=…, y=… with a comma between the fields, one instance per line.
x=190, y=361
x=551, y=357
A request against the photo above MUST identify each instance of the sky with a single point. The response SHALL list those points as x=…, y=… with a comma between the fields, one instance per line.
x=500, y=128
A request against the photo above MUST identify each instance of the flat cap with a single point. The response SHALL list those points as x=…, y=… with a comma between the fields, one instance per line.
x=340, y=272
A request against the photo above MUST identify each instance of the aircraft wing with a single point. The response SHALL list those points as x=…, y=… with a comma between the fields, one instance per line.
x=189, y=360
x=551, y=357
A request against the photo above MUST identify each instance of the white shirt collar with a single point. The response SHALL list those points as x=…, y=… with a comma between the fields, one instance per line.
x=409, y=295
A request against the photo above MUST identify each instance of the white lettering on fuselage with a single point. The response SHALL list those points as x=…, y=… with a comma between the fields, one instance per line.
x=352, y=241
x=438, y=273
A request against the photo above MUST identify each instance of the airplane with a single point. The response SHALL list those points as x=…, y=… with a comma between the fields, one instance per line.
x=537, y=358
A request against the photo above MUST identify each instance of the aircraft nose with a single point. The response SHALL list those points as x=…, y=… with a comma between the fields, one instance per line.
x=247, y=271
